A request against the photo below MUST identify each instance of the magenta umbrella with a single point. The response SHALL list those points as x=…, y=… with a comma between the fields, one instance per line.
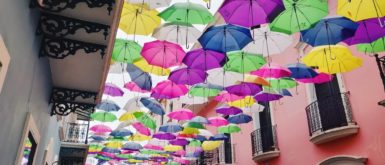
x=227, y=97
x=153, y=147
x=181, y=114
x=368, y=31
x=272, y=70
x=100, y=129
x=163, y=53
x=218, y=121
x=169, y=89
x=188, y=76
x=141, y=128
x=112, y=90
x=319, y=79
x=266, y=97
x=131, y=86
x=204, y=59
x=249, y=13
x=228, y=110
x=164, y=136
x=244, y=89
x=179, y=142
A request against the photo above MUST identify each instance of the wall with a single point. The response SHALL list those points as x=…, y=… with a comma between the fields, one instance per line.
x=27, y=76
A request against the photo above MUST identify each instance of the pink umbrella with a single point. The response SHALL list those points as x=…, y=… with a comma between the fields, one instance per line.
x=180, y=153
x=181, y=114
x=181, y=160
x=133, y=87
x=227, y=97
x=218, y=121
x=319, y=79
x=153, y=147
x=272, y=70
x=100, y=128
x=163, y=54
x=112, y=90
x=169, y=89
x=141, y=128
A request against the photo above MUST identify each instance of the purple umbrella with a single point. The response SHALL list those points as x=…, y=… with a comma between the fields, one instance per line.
x=204, y=59
x=188, y=76
x=244, y=89
x=179, y=142
x=164, y=136
x=249, y=13
x=228, y=110
x=266, y=97
x=367, y=32
x=112, y=90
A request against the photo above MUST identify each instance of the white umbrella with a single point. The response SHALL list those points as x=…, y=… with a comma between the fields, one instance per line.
x=180, y=33
x=133, y=104
x=219, y=77
x=151, y=3
x=192, y=100
x=117, y=68
x=206, y=133
x=267, y=42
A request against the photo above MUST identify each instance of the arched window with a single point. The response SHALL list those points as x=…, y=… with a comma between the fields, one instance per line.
x=344, y=160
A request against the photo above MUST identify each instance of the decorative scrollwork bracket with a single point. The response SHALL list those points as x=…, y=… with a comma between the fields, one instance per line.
x=60, y=5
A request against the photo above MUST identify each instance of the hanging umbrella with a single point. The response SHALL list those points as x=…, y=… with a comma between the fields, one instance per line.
x=163, y=53
x=332, y=59
x=100, y=129
x=194, y=143
x=360, y=9
x=172, y=148
x=181, y=33
x=218, y=121
x=228, y=110
x=140, y=78
x=110, y=150
x=114, y=144
x=200, y=119
x=132, y=86
x=126, y=51
x=156, y=70
x=242, y=62
x=299, y=15
x=245, y=102
x=205, y=90
x=127, y=116
x=121, y=133
x=179, y=142
x=124, y=156
x=145, y=120
x=300, y=71
x=153, y=147
x=136, y=19
x=190, y=131
x=117, y=68
x=268, y=42
x=266, y=97
x=153, y=105
x=256, y=80
x=272, y=70
x=140, y=128
x=170, y=128
x=240, y=119
x=250, y=13
x=139, y=137
x=108, y=106
x=181, y=114
x=219, y=137
x=201, y=138
x=225, y=38
x=210, y=145
x=169, y=89
x=244, y=89
x=103, y=116
x=112, y=90
x=231, y=128
x=132, y=146
x=282, y=83
x=188, y=76
x=227, y=97
x=164, y=136
x=151, y=3
x=329, y=31
x=187, y=13
x=196, y=125
x=204, y=59
x=319, y=79
x=374, y=47
x=220, y=77
x=368, y=31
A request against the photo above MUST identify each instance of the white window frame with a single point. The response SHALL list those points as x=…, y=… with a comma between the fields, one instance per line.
x=29, y=127
x=5, y=59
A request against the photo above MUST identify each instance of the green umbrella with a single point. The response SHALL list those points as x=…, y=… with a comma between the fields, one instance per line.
x=195, y=143
x=150, y=152
x=116, y=138
x=374, y=47
x=101, y=157
x=187, y=13
x=282, y=83
x=231, y=128
x=126, y=51
x=145, y=120
x=299, y=15
x=205, y=90
x=194, y=125
x=242, y=62
x=103, y=116
x=124, y=156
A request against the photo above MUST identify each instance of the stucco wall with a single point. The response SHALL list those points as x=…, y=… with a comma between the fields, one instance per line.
x=27, y=76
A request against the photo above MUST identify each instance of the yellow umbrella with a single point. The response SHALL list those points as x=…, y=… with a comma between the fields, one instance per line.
x=127, y=116
x=136, y=19
x=245, y=102
x=172, y=148
x=114, y=144
x=358, y=10
x=332, y=59
x=138, y=137
x=143, y=65
x=134, y=161
x=188, y=130
x=256, y=80
x=210, y=145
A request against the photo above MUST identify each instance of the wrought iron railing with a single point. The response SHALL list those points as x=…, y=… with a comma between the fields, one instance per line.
x=330, y=112
x=264, y=140
x=381, y=67
x=76, y=133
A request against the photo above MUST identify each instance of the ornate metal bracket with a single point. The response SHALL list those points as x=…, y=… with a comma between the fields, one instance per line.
x=60, y=5
x=60, y=48
x=60, y=26
x=64, y=94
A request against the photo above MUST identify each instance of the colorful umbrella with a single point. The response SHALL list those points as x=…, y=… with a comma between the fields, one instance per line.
x=242, y=62
x=220, y=77
x=190, y=131
x=127, y=116
x=114, y=144
x=245, y=102
x=126, y=51
x=164, y=136
x=231, y=128
x=188, y=76
x=299, y=15
x=163, y=53
x=205, y=90
x=272, y=70
x=156, y=70
x=210, y=145
x=121, y=133
x=300, y=71
x=240, y=119
x=368, y=31
x=228, y=110
x=200, y=119
x=151, y=3
x=194, y=143
x=153, y=147
x=179, y=142
x=145, y=120
x=170, y=128
x=180, y=33
x=112, y=90
x=140, y=78
x=218, y=121
x=108, y=106
x=244, y=89
x=132, y=86
x=169, y=89
x=139, y=127
x=360, y=9
x=187, y=13
x=266, y=97
x=153, y=105
x=374, y=47
x=139, y=137
x=227, y=97
x=100, y=128
x=256, y=80
x=191, y=124
x=181, y=114
x=319, y=79
x=204, y=59
x=132, y=146
x=225, y=38
x=172, y=148
x=282, y=83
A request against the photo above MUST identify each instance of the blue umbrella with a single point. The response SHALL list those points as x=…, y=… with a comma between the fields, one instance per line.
x=108, y=105
x=225, y=38
x=153, y=105
x=132, y=146
x=200, y=119
x=110, y=150
x=96, y=138
x=239, y=118
x=218, y=137
x=170, y=128
x=121, y=133
x=139, y=77
x=329, y=31
x=200, y=138
x=300, y=71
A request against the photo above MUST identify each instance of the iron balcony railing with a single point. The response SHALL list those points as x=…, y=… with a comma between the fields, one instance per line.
x=330, y=112
x=381, y=67
x=76, y=133
x=264, y=140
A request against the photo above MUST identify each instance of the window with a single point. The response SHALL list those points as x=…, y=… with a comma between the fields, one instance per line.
x=4, y=62
x=29, y=143
x=344, y=160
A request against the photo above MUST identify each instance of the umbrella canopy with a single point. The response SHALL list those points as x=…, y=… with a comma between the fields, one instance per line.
x=173, y=148
x=245, y=102
x=299, y=15
x=169, y=89
x=242, y=62
x=329, y=31
x=153, y=105
x=100, y=128
x=127, y=116
x=139, y=137
x=220, y=77
x=267, y=42
x=374, y=47
x=138, y=20
x=210, y=145
x=266, y=97
x=121, y=133
x=156, y=70
x=227, y=97
x=140, y=78
x=205, y=90
x=282, y=83
x=179, y=142
x=225, y=38
x=244, y=89
x=132, y=146
x=204, y=59
x=163, y=53
x=108, y=106
x=145, y=120
x=256, y=80
x=332, y=59
x=151, y=3
x=188, y=76
x=218, y=121
x=200, y=119
x=240, y=119
x=181, y=114
x=190, y=130
x=299, y=71
x=191, y=124
x=139, y=127
x=114, y=144
x=319, y=79
x=250, y=13
x=164, y=136
x=187, y=13
x=368, y=31
x=153, y=147
x=181, y=33
x=132, y=86
x=228, y=110
x=272, y=70
x=126, y=51
x=354, y=9
x=170, y=128
x=112, y=90
x=231, y=128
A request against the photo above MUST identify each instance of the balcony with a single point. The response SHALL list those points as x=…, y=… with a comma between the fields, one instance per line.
x=264, y=144
x=381, y=67
x=330, y=118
